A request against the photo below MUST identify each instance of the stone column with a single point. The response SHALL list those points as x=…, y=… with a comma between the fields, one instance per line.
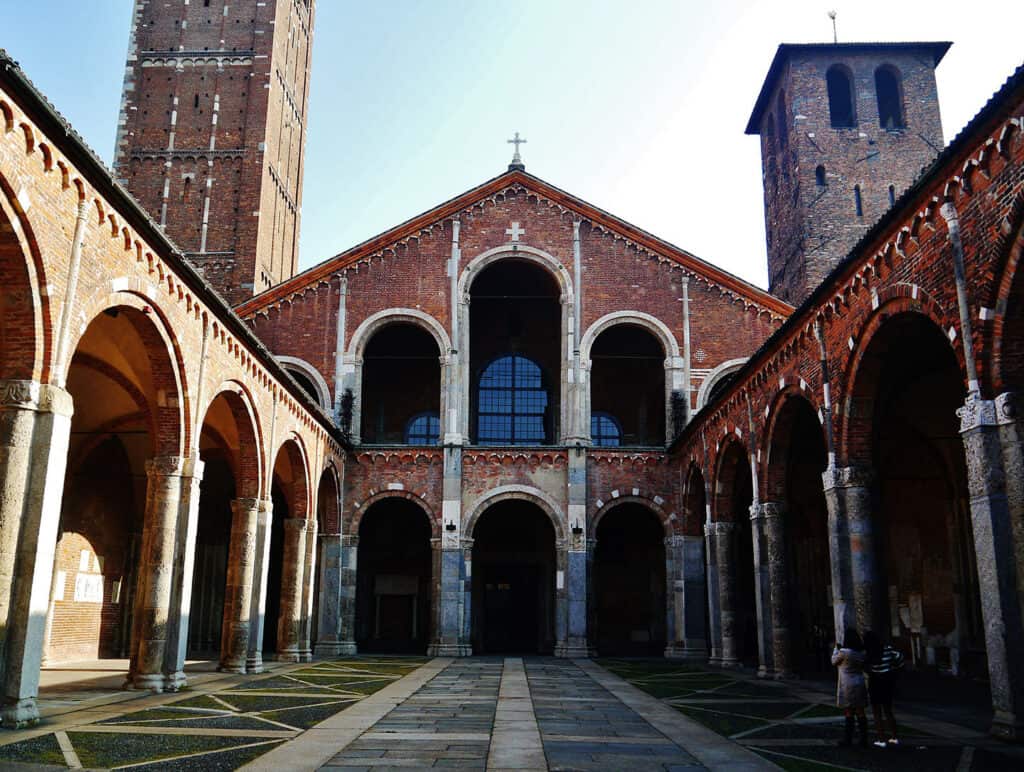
x=561, y=599
x=467, y=596
x=1011, y=434
x=689, y=593
x=35, y=427
x=576, y=566
x=762, y=593
x=449, y=569
x=261, y=565
x=851, y=547
x=347, y=615
x=329, y=623
x=181, y=581
x=308, y=574
x=289, y=622
x=994, y=546
x=156, y=572
x=713, y=598
x=774, y=525
x=725, y=553
x=235, y=631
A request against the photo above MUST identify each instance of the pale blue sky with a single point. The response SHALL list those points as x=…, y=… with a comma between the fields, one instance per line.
x=636, y=107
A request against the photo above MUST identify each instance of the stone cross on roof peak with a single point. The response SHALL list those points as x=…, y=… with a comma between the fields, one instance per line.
x=517, y=161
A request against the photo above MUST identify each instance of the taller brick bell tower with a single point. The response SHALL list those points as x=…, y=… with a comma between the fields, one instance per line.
x=844, y=129
x=212, y=132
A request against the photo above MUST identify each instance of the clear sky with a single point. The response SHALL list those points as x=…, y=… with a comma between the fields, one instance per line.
x=638, y=107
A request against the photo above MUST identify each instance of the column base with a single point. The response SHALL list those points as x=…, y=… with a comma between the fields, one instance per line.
x=232, y=666
x=730, y=664
x=19, y=714
x=681, y=651
x=175, y=682
x=326, y=649
x=1005, y=726
x=782, y=675
x=288, y=656
x=763, y=671
x=147, y=682
x=575, y=651
x=449, y=650
x=305, y=655
x=254, y=663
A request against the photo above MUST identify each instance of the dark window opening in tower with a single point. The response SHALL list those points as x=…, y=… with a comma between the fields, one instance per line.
x=195, y=101
x=627, y=382
x=401, y=380
x=783, y=124
x=772, y=166
x=819, y=176
x=892, y=195
x=840, y=97
x=890, y=102
x=857, y=202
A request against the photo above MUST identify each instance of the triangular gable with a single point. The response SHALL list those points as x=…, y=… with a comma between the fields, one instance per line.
x=598, y=218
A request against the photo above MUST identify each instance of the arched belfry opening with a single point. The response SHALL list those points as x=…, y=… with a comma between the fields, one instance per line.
x=629, y=581
x=515, y=363
x=889, y=92
x=627, y=388
x=841, y=104
x=513, y=585
x=401, y=389
x=393, y=578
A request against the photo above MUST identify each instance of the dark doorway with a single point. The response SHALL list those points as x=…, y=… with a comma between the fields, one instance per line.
x=393, y=578
x=629, y=579
x=736, y=494
x=513, y=580
x=272, y=609
x=209, y=575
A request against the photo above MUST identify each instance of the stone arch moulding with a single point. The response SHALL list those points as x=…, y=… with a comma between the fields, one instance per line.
x=652, y=324
x=323, y=391
x=248, y=423
x=375, y=322
x=364, y=506
x=519, y=252
x=723, y=370
x=522, y=493
x=656, y=509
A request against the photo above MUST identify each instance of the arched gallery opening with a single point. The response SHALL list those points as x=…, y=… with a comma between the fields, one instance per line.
x=735, y=559
x=513, y=585
x=393, y=578
x=627, y=388
x=696, y=510
x=401, y=390
x=927, y=598
x=328, y=523
x=514, y=332
x=629, y=582
x=797, y=457
x=119, y=367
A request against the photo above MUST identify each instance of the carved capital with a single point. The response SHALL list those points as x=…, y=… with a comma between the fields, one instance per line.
x=244, y=506
x=349, y=541
x=767, y=509
x=1007, y=410
x=295, y=524
x=720, y=528
x=19, y=395
x=53, y=399
x=976, y=413
x=848, y=477
x=165, y=466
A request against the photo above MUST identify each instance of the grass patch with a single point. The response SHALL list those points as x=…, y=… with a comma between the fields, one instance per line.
x=215, y=722
x=723, y=723
x=247, y=703
x=931, y=759
x=103, y=749
x=152, y=714
x=790, y=764
x=304, y=718
x=202, y=701
x=821, y=711
x=38, y=750
x=221, y=761
x=767, y=710
x=279, y=684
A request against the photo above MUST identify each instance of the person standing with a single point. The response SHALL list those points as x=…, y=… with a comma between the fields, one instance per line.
x=883, y=666
x=851, y=689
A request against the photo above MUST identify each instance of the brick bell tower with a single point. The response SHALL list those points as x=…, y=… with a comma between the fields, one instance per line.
x=212, y=132
x=844, y=129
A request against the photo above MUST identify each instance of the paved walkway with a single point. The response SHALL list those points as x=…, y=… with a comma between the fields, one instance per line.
x=505, y=714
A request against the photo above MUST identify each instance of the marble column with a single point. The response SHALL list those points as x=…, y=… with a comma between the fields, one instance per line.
x=725, y=553
x=576, y=560
x=261, y=565
x=235, y=631
x=156, y=572
x=448, y=566
x=181, y=579
x=851, y=547
x=289, y=621
x=35, y=427
x=328, y=625
x=996, y=560
x=308, y=589
x=347, y=593
x=713, y=598
x=689, y=595
x=774, y=525
x=762, y=592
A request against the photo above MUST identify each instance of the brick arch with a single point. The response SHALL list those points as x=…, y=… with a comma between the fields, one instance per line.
x=25, y=327
x=295, y=451
x=853, y=442
x=695, y=500
x=524, y=253
x=646, y=502
x=415, y=498
x=172, y=424
x=778, y=434
x=250, y=437
x=304, y=368
x=328, y=510
x=521, y=493
x=1003, y=358
x=376, y=322
x=725, y=478
x=651, y=324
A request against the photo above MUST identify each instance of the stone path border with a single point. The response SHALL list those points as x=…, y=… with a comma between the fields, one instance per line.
x=322, y=742
x=515, y=741
x=709, y=748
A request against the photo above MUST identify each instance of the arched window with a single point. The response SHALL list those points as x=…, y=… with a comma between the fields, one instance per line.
x=840, y=97
x=892, y=195
x=819, y=176
x=858, y=203
x=605, y=431
x=890, y=103
x=423, y=429
x=513, y=403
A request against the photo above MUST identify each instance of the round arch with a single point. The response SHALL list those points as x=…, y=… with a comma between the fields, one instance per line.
x=521, y=252
x=294, y=450
x=375, y=322
x=716, y=376
x=722, y=485
x=658, y=511
x=323, y=391
x=652, y=324
x=328, y=509
x=695, y=500
x=522, y=493
x=250, y=445
x=778, y=438
x=419, y=501
x=1003, y=359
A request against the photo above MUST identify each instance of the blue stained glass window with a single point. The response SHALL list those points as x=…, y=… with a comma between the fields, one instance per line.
x=423, y=429
x=512, y=403
x=605, y=431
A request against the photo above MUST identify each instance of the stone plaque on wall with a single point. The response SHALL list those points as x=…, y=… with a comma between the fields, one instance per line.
x=89, y=588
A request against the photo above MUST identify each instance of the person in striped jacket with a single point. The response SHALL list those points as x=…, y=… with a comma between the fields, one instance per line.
x=883, y=666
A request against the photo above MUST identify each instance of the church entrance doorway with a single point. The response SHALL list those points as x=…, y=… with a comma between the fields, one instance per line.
x=393, y=578
x=513, y=580
x=629, y=580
